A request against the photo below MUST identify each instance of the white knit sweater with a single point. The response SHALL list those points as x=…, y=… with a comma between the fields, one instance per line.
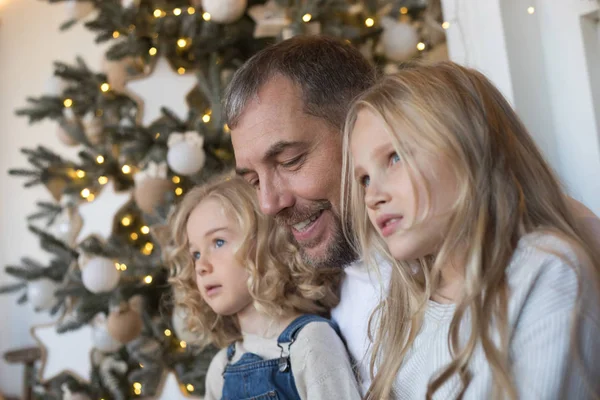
x=543, y=288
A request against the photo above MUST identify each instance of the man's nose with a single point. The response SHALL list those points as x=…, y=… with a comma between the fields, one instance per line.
x=274, y=197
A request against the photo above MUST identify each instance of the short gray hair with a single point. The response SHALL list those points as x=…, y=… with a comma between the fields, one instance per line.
x=330, y=73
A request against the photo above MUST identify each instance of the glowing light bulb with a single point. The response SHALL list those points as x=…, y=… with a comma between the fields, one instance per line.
x=68, y=103
x=100, y=159
x=177, y=11
x=145, y=230
x=369, y=22
x=152, y=51
x=126, y=169
x=105, y=87
x=306, y=17
x=206, y=16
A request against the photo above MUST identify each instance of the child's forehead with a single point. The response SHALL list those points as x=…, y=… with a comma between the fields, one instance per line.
x=207, y=215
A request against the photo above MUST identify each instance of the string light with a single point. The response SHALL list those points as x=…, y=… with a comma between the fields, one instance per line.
x=176, y=179
x=123, y=267
x=105, y=87
x=531, y=10
x=157, y=135
x=126, y=221
x=137, y=388
x=182, y=43
x=179, y=191
x=141, y=365
x=167, y=332
x=145, y=230
x=148, y=279
x=126, y=169
x=80, y=173
x=116, y=34
x=152, y=51
x=118, y=266
x=421, y=46
x=190, y=387
x=369, y=22
x=158, y=13
x=68, y=103
x=403, y=10
x=446, y=25
x=103, y=180
x=206, y=118
x=191, y=10
x=181, y=70
x=183, y=344
x=306, y=17
x=91, y=197
x=100, y=159
x=134, y=236
x=85, y=193
x=206, y=16
x=177, y=11
x=149, y=246
x=226, y=128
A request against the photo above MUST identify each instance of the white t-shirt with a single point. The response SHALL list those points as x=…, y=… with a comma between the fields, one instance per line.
x=361, y=292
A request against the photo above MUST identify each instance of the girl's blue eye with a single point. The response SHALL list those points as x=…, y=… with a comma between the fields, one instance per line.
x=365, y=180
x=196, y=255
x=394, y=158
x=219, y=243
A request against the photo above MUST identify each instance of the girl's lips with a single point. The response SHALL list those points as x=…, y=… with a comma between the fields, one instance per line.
x=212, y=290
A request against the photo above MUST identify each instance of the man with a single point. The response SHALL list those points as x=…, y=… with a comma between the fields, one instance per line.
x=286, y=108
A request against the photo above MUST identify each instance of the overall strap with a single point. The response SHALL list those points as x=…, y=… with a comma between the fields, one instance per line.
x=230, y=352
x=288, y=336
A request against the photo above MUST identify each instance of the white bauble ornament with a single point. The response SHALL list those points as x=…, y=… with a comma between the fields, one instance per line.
x=224, y=11
x=186, y=155
x=79, y=9
x=103, y=341
x=100, y=275
x=180, y=326
x=185, y=158
x=41, y=293
x=399, y=40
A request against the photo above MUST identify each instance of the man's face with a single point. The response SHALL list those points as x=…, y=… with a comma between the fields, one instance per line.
x=294, y=161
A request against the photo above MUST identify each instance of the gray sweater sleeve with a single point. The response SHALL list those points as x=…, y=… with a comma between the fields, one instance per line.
x=321, y=365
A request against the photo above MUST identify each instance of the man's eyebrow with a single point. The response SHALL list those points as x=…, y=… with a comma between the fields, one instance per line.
x=272, y=152
x=278, y=148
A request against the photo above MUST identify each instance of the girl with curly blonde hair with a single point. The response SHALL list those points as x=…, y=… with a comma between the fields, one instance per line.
x=495, y=276
x=246, y=290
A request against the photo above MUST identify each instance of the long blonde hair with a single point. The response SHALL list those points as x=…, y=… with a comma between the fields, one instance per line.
x=505, y=190
x=280, y=283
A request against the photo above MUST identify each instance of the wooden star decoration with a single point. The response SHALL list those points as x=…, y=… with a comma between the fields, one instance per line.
x=64, y=352
x=172, y=89
x=98, y=215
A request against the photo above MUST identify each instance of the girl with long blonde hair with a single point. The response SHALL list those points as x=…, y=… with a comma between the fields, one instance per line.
x=495, y=282
x=245, y=288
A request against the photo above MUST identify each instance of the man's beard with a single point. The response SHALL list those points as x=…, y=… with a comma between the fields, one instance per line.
x=339, y=252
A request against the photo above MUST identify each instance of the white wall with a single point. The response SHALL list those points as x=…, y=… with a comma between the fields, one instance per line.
x=29, y=43
x=547, y=70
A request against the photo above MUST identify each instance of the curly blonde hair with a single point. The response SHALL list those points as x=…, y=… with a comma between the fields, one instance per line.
x=280, y=282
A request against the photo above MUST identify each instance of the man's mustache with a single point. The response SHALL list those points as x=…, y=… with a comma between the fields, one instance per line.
x=293, y=215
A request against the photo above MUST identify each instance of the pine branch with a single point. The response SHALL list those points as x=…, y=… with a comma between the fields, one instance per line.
x=12, y=287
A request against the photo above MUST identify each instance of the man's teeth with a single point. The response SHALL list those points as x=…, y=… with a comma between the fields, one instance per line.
x=301, y=225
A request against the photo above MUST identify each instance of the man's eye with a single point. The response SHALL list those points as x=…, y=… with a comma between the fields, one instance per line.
x=293, y=162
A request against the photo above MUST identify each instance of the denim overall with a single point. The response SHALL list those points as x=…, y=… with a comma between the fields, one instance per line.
x=253, y=378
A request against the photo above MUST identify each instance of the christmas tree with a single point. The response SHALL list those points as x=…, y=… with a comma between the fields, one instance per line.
x=140, y=150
